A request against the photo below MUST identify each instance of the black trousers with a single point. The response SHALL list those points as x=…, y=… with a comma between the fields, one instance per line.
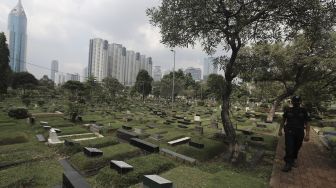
x=293, y=142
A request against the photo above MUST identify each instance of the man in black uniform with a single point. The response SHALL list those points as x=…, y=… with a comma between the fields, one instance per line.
x=295, y=120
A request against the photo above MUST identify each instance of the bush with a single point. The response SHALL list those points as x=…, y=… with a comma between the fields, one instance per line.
x=151, y=164
x=18, y=113
x=91, y=164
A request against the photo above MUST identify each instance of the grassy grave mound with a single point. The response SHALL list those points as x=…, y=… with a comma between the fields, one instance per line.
x=151, y=164
x=94, y=143
x=14, y=138
x=73, y=130
x=92, y=164
x=37, y=174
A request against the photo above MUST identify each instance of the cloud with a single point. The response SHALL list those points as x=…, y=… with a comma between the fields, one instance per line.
x=61, y=29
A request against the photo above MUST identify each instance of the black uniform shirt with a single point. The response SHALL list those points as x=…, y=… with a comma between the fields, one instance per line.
x=295, y=117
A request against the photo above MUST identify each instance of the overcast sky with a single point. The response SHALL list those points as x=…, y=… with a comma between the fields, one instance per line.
x=61, y=30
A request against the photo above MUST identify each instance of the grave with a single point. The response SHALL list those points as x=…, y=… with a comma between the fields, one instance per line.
x=70, y=143
x=139, y=130
x=177, y=156
x=157, y=137
x=72, y=179
x=40, y=138
x=151, y=126
x=184, y=122
x=144, y=145
x=120, y=166
x=183, y=126
x=179, y=141
x=196, y=145
x=126, y=127
x=47, y=127
x=92, y=152
x=31, y=120
x=257, y=138
x=155, y=181
x=261, y=125
x=96, y=128
x=57, y=130
x=53, y=138
x=44, y=123
x=199, y=130
x=125, y=135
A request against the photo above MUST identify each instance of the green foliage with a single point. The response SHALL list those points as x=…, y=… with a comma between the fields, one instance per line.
x=116, y=152
x=143, y=84
x=5, y=71
x=24, y=80
x=151, y=164
x=215, y=84
x=18, y=113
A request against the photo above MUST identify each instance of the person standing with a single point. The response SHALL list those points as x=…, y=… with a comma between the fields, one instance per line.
x=294, y=123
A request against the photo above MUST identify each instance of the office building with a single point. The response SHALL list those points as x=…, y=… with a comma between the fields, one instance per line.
x=17, y=43
x=54, y=70
x=196, y=73
x=157, y=73
x=98, y=58
x=209, y=67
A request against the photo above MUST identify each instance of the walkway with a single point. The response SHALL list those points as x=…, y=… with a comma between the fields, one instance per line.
x=315, y=168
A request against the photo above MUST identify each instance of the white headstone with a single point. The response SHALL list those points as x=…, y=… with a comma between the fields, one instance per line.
x=197, y=118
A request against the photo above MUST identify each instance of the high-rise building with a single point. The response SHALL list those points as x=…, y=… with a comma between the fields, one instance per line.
x=157, y=73
x=85, y=74
x=98, y=58
x=130, y=63
x=209, y=67
x=17, y=28
x=149, y=65
x=54, y=70
x=196, y=73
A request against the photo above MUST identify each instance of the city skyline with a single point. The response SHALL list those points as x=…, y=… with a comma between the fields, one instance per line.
x=61, y=29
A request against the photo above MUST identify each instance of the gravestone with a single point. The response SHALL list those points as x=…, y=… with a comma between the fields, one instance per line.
x=47, y=127
x=138, y=130
x=196, y=145
x=31, y=120
x=183, y=126
x=96, y=128
x=126, y=127
x=44, y=123
x=125, y=135
x=57, y=130
x=157, y=137
x=155, y=181
x=40, y=138
x=179, y=141
x=53, y=138
x=92, y=152
x=199, y=130
x=120, y=166
x=149, y=147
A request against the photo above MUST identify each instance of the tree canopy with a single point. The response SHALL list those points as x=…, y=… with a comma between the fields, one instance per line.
x=143, y=84
x=5, y=70
x=24, y=80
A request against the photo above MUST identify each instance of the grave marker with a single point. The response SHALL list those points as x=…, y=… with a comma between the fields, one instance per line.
x=155, y=181
x=92, y=152
x=199, y=130
x=120, y=166
x=149, y=147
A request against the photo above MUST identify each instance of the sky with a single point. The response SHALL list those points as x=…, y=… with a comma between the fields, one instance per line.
x=61, y=30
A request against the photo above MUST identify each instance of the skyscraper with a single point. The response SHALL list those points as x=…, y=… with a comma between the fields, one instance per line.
x=17, y=28
x=196, y=73
x=98, y=55
x=54, y=69
x=157, y=74
x=209, y=67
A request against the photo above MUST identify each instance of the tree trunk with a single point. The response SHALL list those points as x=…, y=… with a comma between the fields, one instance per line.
x=225, y=114
x=275, y=105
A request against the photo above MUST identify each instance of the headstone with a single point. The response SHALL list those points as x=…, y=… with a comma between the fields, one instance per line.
x=43, y=123
x=31, y=120
x=155, y=181
x=199, y=130
x=96, y=128
x=183, y=126
x=196, y=145
x=53, y=138
x=179, y=141
x=125, y=135
x=57, y=130
x=47, y=127
x=92, y=152
x=40, y=138
x=149, y=147
x=126, y=127
x=120, y=166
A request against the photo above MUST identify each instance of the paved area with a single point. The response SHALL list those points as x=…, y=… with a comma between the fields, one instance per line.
x=315, y=168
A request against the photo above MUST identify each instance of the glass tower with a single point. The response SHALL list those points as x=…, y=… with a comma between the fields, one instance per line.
x=17, y=28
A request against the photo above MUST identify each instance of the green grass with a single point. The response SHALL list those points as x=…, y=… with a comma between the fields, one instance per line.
x=38, y=174
x=151, y=164
x=116, y=152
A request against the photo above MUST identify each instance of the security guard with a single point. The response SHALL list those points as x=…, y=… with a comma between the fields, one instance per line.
x=295, y=120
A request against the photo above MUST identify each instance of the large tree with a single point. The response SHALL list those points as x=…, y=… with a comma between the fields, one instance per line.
x=24, y=81
x=292, y=64
x=228, y=25
x=5, y=70
x=143, y=84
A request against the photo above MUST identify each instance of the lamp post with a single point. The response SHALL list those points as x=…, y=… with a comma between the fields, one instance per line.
x=173, y=79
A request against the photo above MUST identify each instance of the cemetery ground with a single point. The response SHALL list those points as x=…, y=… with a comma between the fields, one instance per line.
x=149, y=136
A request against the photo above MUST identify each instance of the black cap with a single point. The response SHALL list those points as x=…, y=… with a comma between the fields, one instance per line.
x=296, y=99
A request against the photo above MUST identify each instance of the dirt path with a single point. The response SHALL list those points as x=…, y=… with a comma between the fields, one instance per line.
x=315, y=168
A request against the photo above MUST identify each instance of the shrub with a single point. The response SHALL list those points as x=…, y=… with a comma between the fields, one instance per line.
x=18, y=113
x=151, y=164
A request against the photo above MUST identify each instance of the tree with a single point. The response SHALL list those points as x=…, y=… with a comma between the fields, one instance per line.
x=46, y=82
x=143, y=84
x=75, y=88
x=293, y=65
x=215, y=84
x=5, y=70
x=231, y=24
x=24, y=81
x=111, y=87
